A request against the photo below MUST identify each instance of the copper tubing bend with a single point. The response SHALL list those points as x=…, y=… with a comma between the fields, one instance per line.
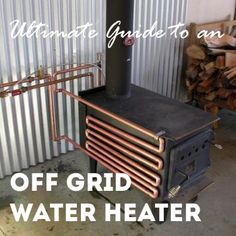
x=52, y=90
x=110, y=165
x=121, y=133
x=124, y=142
x=160, y=140
x=126, y=163
x=90, y=134
x=127, y=160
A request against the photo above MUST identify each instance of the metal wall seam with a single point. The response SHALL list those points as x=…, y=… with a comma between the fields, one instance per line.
x=24, y=120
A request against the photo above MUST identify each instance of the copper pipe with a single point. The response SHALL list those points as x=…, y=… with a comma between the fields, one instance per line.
x=121, y=169
x=122, y=133
x=122, y=149
x=53, y=82
x=153, y=193
x=155, y=182
x=32, y=79
x=26, y=80
x=120, y=119
x=126, y=159
x=52, y=91
x=112, y=115
x=128, y=145
x=69, y=140
x=77, y=68
x=52, y=113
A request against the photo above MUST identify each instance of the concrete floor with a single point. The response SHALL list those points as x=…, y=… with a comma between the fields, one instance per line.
x=218, y=203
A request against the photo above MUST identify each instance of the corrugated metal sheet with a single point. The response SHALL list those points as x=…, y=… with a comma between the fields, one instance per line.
x=24, y=121
x=157, y=63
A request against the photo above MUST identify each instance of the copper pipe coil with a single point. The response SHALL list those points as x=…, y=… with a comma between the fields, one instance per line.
x=120, y=119
x=122, y=170
x=127, y=160
x=121, y=149
x=155, y=182
x=122, y=133
x=128, y=145
x=152, y=193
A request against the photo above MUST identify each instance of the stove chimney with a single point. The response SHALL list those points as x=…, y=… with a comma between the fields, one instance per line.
x=119, y=56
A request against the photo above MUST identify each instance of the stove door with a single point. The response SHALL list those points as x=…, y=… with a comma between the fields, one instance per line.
x=190, y=159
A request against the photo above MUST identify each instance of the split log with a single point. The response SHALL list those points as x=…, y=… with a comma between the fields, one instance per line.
x=220, y=62
x=224, y=93
x=234, y=103
x=195, y=62
x=231, y=102
x=216, y=42
x=231, y=75
x=218, y=83
x=219, y=51
x=211, y=96
x=206, y=83
x=193, y=86
x=211, y=72
x=233, y=82
x=210, y=66
x=230, y=59
x=230, y=71
x=192, y=71
x=196, y=52
x=205, y=75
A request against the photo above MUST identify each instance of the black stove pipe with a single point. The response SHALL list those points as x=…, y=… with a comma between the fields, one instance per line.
x=119, y=56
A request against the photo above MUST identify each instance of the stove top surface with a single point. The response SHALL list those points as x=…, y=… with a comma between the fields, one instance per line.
x=154, y=112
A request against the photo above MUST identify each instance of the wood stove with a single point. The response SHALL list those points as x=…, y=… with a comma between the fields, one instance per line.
x=162, y=144
x=127, y=139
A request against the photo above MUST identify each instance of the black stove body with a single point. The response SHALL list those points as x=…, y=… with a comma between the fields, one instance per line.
x=162, y=144
x=186, y=132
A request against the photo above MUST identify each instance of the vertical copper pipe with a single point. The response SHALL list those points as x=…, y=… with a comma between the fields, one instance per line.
x=52, y=91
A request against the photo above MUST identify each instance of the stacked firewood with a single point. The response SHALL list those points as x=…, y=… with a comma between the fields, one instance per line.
x=211, y=71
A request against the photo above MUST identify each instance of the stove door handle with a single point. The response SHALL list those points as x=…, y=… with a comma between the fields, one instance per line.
x=218, y=146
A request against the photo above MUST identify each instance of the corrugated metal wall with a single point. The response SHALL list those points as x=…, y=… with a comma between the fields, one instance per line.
x=24, y=121
x=157, y=63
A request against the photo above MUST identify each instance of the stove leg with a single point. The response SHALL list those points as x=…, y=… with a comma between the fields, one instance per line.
x=155, y=212
x=93, y=165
